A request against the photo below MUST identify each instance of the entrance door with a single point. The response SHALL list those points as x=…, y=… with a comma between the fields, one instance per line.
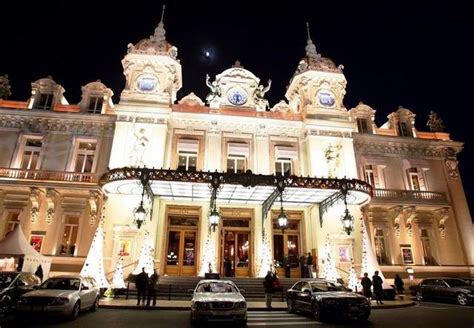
x=181, y=252
x=236, y=253
x=286, y=246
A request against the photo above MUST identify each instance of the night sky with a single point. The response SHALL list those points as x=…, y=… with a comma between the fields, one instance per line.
x=418, y=57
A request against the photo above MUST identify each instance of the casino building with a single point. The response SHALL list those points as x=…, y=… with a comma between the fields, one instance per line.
x=207, y=180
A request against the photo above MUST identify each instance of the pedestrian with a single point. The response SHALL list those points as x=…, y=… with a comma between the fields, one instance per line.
x=302, y=266
x=227, y=267
x=151, y=288
x=399, y=285
x=309, y=265
x=378, y=289
x=268, y=285
x=287, y=266
x=141, y=282
x=366, y=285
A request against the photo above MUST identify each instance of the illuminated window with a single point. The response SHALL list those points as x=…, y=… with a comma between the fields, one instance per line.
x=95, y=104
x=187, y=154
x=44, y=101
x=69, y=236
x=373, y=175
x=416, y=179
x=237, y=154
x=30, y=152
x=425, y=243
x=85, y=156
x=362, y=125
x=380, y=250
x=402, y=129
x=284, y=158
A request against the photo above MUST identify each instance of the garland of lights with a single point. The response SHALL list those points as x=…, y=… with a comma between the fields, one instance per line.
x=146, y=259
x=330, y=271
x=117, y=279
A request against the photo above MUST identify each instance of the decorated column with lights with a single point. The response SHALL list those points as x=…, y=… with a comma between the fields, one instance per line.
x=369, y=260
x=94, y=264
x=209, y=258
x=117, y=279
x=329, y=271
x=353, y=282
x=146, y=257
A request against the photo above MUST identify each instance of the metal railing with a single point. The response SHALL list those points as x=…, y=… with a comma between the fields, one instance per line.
x=416, y=196
x=42, y=175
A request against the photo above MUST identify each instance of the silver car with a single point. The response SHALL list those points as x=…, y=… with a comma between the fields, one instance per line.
x=63, y=295
x=218, y=300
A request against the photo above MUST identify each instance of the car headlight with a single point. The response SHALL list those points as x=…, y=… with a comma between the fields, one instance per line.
x=240, y=305
x=201, y=305
x=22, y=300
x=60, y=301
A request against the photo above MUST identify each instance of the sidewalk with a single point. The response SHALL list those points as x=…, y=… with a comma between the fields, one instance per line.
x=121, y=303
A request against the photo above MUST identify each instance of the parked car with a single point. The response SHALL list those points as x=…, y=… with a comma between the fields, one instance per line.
x=324, y=300
x=218, y=300
x=12, y=286
x=63, y=295
x=445, y=288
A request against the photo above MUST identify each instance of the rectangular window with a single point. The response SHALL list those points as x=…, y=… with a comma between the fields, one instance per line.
x=85, y=156
x=283, y=166
x=45, y=101
x=69, y=236
x=402, y=128
x=380, y=250
x=362, y=125
x=95, y=104
x=416, y=179
x=425, y=243
x=237, y=154
x=13, y=220
x=187, y=154
x=284, y=157
x=31, y=152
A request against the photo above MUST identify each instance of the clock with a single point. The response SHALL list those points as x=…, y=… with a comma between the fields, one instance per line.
x=326, y=98
x=147, y=83
x=237, y=97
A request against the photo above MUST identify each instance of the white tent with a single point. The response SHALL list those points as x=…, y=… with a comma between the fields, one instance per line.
x=16, y=245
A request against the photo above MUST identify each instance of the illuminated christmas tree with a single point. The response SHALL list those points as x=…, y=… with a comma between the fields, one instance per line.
x=329, y=272
x=353, y=282
x=208, y=262
x=94, y=264
x=146, y=257
x=265, y=255
x=117, y=279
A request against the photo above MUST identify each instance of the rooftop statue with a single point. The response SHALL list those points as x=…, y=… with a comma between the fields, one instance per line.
x=215, y=90
x=260, y=95
x=5, y=89
x=434, y=122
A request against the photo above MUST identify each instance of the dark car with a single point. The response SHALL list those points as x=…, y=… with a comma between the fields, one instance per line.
x=325, y=300
x=12, y=286
x=445, y=289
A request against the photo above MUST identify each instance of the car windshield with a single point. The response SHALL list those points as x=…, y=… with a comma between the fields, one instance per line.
x=327, y=287
x=216, y=287
x=62, y=283
x=6, y=278
x=456, y=282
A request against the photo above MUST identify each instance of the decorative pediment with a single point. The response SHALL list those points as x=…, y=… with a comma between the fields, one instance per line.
x=191, y=100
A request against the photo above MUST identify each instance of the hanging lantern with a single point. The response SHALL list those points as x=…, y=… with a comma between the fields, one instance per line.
x=282, y=217
x=347, y=222
x=139, y=213
x=214, y=218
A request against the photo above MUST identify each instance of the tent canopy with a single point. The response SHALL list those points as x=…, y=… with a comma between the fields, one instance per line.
x=15, y=244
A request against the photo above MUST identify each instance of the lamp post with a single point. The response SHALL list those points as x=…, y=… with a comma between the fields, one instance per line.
x=347, y=219
x=140, y=213
x=214, y=218
x=282, y=217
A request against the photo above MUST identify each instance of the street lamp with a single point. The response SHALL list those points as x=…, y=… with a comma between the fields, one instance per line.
x=282, y=217
x=347, y=219
x=139, y=213
x=214, y=217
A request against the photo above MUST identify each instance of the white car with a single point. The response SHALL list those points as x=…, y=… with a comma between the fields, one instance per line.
x=63, y=295
x=218, y=300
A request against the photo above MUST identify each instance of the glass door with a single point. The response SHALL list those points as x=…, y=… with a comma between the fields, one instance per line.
x=236, y=254
x=181, y=253
x=286, y=249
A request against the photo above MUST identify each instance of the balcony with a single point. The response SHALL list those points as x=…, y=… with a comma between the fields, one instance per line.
x=410, y=196
x=10, y=174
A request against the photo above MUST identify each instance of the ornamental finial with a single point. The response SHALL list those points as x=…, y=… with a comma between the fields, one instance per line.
x=310, y=47
x=160, y=32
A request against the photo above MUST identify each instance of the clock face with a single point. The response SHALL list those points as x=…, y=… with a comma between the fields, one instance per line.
x=326, y=98
x=237, y=97
x=147, y=83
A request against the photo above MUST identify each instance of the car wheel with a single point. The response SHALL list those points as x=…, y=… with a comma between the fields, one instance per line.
x=75, y=311
x=419, y=296
x=291, y=305
x=461, y=298
x=317, y=313
x=95, y=306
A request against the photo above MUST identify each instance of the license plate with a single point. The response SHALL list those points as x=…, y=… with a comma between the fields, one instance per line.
x=354, y=308
x=221, y=313
x=37, y=308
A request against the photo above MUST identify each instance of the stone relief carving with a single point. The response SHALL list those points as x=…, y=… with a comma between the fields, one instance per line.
x=140, y=145
x=51, y=195
x=409, y=213
x=35, y=203
x=452, y=165
x=332, y=154
x=396, y=213
x=442, y=216
x=94, y=197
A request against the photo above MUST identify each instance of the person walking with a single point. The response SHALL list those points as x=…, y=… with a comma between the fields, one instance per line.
x=151, y=288
x=399, y=285
x=141, y=282
x=309, y=265
x=269, y=290
x=378, y=290
x=366, y=285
